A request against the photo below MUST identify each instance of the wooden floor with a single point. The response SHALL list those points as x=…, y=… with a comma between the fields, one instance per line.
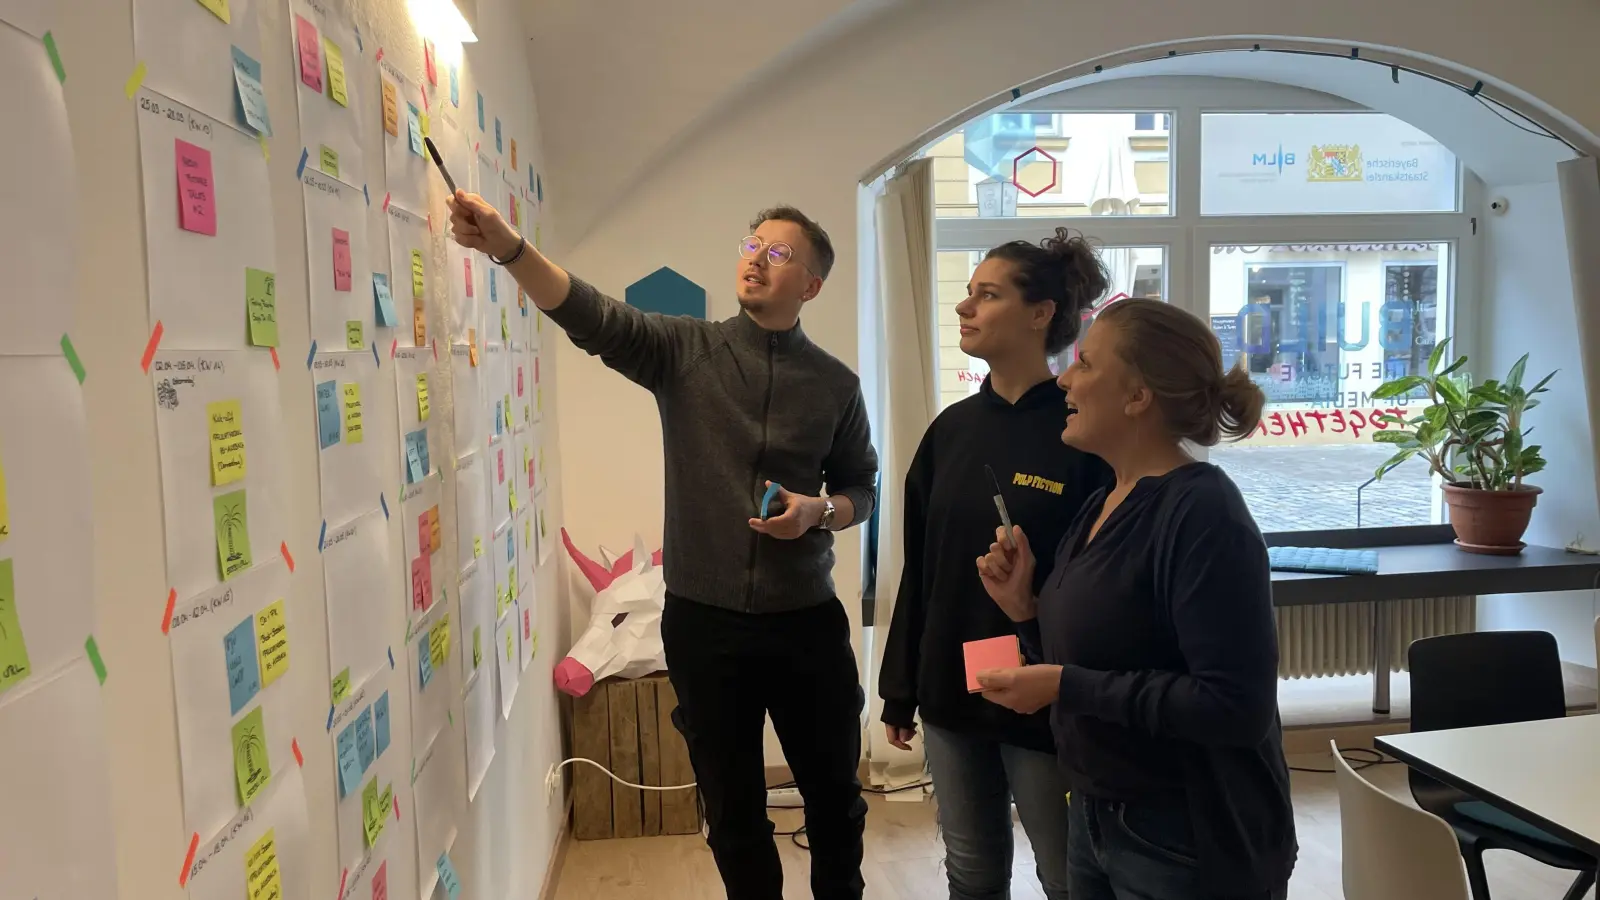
x=903, y=856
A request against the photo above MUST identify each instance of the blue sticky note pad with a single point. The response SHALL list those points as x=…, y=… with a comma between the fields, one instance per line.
x=328, y=413
x=244, y=670
x=480, y=110
x=499, y=416
x=366, y=742
x=414, y=124
x=249, y=100
x=424, y=663
x=455, y=87
x=380, y=723
x=383, y=300
x=538, y=187
x=349, y=757
x=494, y=290
x=498, y=147
x=447, y=876
x=414, y=470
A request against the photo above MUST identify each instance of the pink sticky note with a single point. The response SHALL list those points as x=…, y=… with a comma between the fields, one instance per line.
x=341, y=260
x=197, y=199
x=422, y=582
x=536, y=370
x=994, y=653
x=527, y=625
x=380, y=881
x=467, y=264
x=530, y=474
x=424, y=534
x=310, y=53
x=501, y=465
x=519, y=381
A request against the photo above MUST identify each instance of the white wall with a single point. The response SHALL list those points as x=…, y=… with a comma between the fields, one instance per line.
x=1527, y=308
x=506, y=837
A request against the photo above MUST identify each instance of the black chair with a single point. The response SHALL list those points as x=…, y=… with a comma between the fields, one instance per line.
x=1489, y=678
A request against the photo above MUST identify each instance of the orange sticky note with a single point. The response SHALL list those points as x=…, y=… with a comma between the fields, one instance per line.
x=994, y=653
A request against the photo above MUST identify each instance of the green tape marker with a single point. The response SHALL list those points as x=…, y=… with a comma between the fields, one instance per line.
x=55, y=57
x=93, y=650
x=71, y=354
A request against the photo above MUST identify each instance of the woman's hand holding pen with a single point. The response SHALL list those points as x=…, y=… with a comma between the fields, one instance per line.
x=1007, y=574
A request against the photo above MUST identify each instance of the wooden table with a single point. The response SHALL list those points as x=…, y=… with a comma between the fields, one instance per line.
x=1545, y=772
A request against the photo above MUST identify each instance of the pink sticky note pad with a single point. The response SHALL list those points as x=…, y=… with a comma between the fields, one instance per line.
x=341, y=260
x=519, y=381
x=310, y=53
x=197, y=198
x=424, y=533
x=467, y=265
x=380, y=882
x=422, y=582
x=993, y=653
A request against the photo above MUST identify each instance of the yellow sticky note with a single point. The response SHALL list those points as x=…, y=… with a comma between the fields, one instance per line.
x=472, y=346
x=5, y=515
x=418, y=289
x=352, y=412
x=434, y=537
x=335, y=57
x=511, y=646
x=507, y=409
x=422, y=121
x=514, y=165
x=439, y=643
x=220, y=9
x=372, y=812
x=477, y=646
x=341, y=685
x=250, y=764
x=355, y=335
x=272, y=640
x=505, y=326
x=330, y=161
x=391, y=109
x=477, y=547
x=261, y=877
x=419, y=323
x=422, y=396
x=226, y=423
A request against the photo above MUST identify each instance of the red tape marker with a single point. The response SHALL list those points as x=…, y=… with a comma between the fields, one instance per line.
x=172, y=600
x=194, y=844
x=397, y=809
x=342, y=876
x=394, y=348
x=294, y=744
x=386, y=202
x=380, y=53
x=274, y=352
x=284, y=549
x=150, y=348
x=435, y=349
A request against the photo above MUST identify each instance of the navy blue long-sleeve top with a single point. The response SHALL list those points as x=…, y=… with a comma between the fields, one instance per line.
x=1164, y=630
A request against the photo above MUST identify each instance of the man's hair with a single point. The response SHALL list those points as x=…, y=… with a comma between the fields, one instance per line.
x=820, y=244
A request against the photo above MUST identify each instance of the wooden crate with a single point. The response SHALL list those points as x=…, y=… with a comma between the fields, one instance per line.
x=627, y=726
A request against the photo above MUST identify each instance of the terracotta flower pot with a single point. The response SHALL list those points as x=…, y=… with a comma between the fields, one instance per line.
x=1491, y=522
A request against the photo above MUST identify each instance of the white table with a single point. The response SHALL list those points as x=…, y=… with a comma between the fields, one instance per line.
x=1546, y=772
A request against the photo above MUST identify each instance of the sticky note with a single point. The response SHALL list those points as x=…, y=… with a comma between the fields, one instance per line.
x=372, y=814
x=472, y=341
x=219, y=8
x=419, y=323
x=514, y=154
x=232, y=515
x=250, y=99
x=242, y=660
x=328, y=413
x=354, y=339
x=197, y=202
x=494, y=290
x=310, y=53
x=467, y=265
x=498, y=147
x=330, y=161
x=499, y=418
x=391, y=108
x=261, y=307
x=226, y=429
x=262, y=879
x=422, y=125
x=511, y=645
x=383, y=301
x=414, y=125
x=250, y=764
x=428, y=65
x=341, y=685
x=500, y=462
x=424, y=662
x=519, y=381
x=335, y=57
x=455, y=87
x=418, y=270
x=422, y=396
x=272, y=642
x=14, y=665
x=5, y=514
x=341, y=260
x=505, y=326
x=380, y=724
x=507, y=406
x=480, y=110
x=477, y=646
x=527, y=465
x=434, y=537
x=349, y=759
x=422, y=582
x=380, y=882
x=477, y=547
x=439, y=642
x=366, y=739
x=1002, y=652
x=414, y=470
x=422, y=534
x=352, y=405
x=447, y=876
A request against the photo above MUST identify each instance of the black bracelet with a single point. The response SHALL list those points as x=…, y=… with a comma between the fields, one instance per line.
x=522, y=247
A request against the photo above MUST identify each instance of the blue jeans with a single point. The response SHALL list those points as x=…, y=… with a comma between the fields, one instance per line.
x=1132, y=851
x=975, y=781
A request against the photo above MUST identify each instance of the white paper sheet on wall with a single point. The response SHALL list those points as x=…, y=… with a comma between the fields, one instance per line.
x=186, y=49
x=210, y=520
x=369, y=749
x=477, y=621
x=405, y=163
x=423, y=564
x=30, y=16
x=410, y=244
x=197, y=280
x=466, y=280
x=272, y=834
x=472, y=509
x=37, y=249
x=506, y=661
x=62, y=848
x=544, y=530
x=526, y=636
x=434, y=674
x=471, y=422
x=236, y=648
x=325, y=122
x=362, y=620
x=440, y=794
x=390, y=869
x=358, y=466
x=340, y=290
x=481, y=717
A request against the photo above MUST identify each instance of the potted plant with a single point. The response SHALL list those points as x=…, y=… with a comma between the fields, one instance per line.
x=1472, y=437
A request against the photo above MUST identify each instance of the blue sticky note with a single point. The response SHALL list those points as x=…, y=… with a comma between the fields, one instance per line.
x=414, y=470
x=455, y=87
x=421, y=437
x=499, y=416
x=480, y=110
x=511, y=546
x=424, y=662
x=498, y=148
x=447, y=876
x=383, y=300
x=244, y=670
x=380, y=723
x=249, y=100
x=328, y=413
x=494, y=289
x=532, y=178
x=538, y=187
x=414, y=123
x=366, y=742
x=349, y=756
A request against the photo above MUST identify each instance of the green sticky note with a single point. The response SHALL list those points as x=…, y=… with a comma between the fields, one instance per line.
x=250, y=764
x=13, y=652
x=477, y=646
x=232, y=514
x=372, y=812
x=330, y=161
x=341, y=685
x=261, y=306
x=354, y=335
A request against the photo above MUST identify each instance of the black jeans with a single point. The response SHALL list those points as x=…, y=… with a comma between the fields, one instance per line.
x=730, y=670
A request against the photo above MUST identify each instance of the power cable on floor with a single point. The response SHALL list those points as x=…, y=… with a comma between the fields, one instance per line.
x=1366, y=759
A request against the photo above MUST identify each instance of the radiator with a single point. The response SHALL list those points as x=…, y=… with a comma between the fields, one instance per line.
x=1336, y=639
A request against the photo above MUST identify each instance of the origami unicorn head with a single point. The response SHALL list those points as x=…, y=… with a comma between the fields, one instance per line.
x=624, y=634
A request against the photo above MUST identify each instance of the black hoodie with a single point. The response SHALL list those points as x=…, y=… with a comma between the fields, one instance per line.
x=950, y=521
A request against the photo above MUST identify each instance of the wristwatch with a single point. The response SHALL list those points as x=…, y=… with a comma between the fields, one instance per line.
x=826, y=522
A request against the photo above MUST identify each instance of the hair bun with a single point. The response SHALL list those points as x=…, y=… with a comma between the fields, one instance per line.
x=1084, y=276
x=1240, y=402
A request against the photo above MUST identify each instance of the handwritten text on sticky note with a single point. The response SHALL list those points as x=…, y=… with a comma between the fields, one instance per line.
x=226, y=429
x=352, y=411
x=261, y=306
x=310, y=53
x=341, y=259
x=336, y=86
x=272, y=639
x=197, y=201
x=231, y=513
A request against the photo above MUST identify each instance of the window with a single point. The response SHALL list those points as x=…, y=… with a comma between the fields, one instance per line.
x=1306, y=163
x=1152, y=122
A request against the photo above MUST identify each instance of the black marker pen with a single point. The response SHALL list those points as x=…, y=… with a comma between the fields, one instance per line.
x=438, y=161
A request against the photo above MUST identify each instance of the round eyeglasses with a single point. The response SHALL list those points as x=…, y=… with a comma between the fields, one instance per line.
x=778, y=253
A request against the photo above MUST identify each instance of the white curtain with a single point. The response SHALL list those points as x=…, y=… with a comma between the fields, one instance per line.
x=904, y=225
x=1580, y=206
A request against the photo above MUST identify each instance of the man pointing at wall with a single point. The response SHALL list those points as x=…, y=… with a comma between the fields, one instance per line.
x=751, y=624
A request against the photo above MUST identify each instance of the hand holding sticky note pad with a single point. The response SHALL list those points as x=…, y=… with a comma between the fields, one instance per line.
x=1002, y=652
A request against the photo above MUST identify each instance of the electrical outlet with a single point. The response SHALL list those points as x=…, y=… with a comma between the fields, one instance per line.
x=552, y=785
x=785, y=798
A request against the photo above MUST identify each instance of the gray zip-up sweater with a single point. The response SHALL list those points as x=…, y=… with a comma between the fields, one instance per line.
x=739, y=405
